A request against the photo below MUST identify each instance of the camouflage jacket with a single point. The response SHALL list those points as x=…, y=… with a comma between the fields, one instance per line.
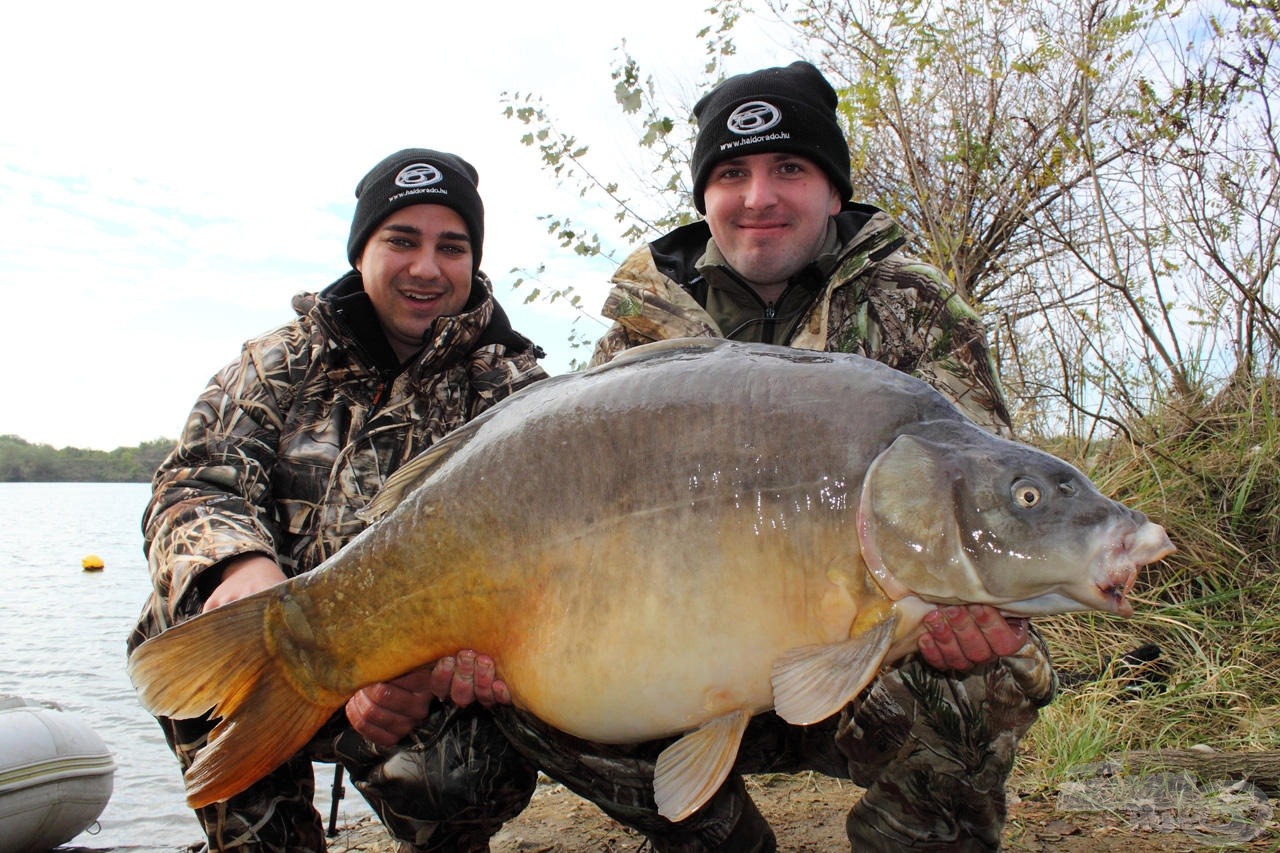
x=291, y=440
x=872, y=300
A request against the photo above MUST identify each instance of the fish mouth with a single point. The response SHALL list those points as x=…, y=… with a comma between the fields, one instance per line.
x=1117, y=565
x=1115, y=597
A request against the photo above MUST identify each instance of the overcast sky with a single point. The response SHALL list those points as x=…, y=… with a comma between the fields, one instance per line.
x=171, y=175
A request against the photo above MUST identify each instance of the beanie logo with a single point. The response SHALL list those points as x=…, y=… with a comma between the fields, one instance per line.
x=753, y=117
x=419, y=175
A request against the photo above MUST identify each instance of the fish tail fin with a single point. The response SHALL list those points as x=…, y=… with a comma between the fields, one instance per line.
x=220, y=662
x=270, y=724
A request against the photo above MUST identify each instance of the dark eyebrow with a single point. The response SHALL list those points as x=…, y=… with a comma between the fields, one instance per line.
x=414, y=231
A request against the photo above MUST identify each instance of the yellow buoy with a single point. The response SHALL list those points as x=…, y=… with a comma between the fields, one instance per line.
x=92, y=563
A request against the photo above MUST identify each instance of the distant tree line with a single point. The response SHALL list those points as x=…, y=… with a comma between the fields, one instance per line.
x=24, y=462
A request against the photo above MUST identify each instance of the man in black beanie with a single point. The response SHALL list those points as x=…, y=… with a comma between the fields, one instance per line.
x=281, y=452
x=783, y=256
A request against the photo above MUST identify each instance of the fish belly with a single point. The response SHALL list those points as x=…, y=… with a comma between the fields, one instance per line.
x=631, y=655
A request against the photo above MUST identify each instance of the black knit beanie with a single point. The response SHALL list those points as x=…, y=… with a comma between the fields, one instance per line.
x=790, y=110
x=417, y=176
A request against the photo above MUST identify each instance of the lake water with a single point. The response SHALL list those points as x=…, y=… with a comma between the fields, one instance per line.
x=62, y=633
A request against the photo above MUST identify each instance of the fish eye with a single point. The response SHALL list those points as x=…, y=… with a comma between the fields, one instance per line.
x=1026, y=494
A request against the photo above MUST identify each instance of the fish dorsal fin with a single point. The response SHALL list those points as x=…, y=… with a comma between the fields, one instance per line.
x=810, y=683
x=659, y=349
x=410, y=475
x=693, y=768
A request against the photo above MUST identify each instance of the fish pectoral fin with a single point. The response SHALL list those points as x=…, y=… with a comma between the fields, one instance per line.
x=693, y=768
x=810, y=683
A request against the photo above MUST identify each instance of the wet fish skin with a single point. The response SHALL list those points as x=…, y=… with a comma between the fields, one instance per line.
x=687, y=536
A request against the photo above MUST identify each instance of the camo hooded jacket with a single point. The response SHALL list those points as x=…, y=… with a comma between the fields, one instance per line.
x=291, y=440
x=862, y=295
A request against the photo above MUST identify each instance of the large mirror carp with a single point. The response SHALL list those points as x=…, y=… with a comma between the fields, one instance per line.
x=689, y=535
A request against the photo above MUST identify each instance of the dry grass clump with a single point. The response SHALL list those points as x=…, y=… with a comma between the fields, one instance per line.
x=1210, y=474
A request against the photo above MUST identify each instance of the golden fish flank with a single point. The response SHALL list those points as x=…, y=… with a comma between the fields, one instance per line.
x=699, y=535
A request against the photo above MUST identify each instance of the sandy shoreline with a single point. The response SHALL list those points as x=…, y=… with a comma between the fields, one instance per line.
x=806, y=810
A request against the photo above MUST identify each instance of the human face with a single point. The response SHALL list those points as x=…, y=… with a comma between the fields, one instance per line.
x=768, y=214
x=416, y=267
